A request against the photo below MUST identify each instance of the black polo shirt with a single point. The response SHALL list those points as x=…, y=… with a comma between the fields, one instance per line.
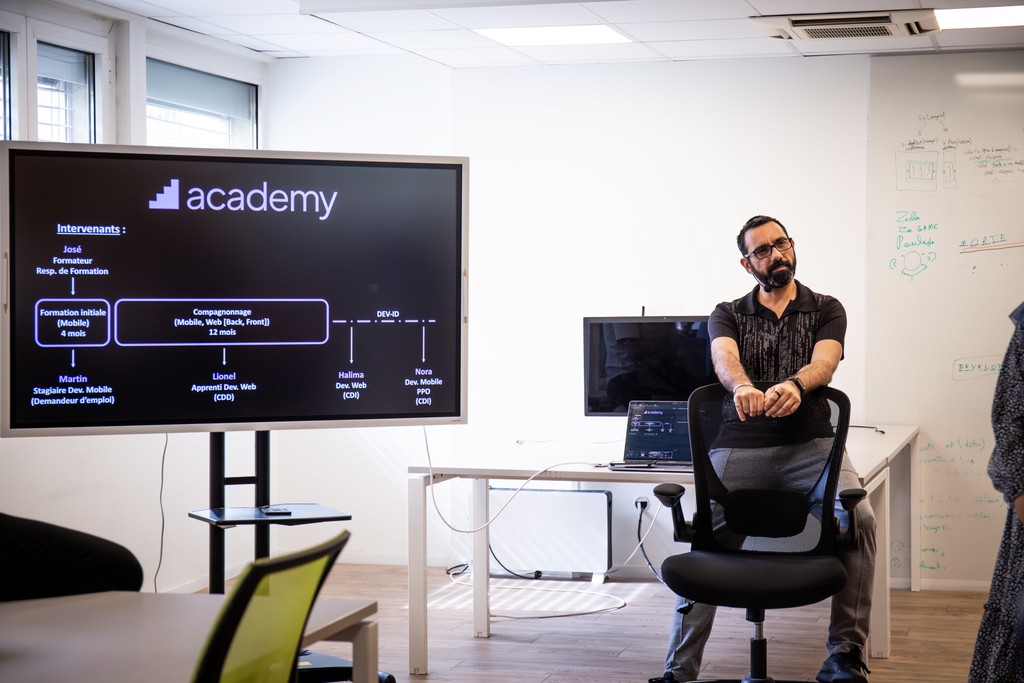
x=772, y=349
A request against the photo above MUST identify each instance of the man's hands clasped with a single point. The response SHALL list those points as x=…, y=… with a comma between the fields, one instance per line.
x=779, y=400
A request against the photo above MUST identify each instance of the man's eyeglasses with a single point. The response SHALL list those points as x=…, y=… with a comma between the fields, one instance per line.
x=764, y=251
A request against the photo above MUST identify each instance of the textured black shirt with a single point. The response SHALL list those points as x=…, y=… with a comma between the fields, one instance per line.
x=772, y=349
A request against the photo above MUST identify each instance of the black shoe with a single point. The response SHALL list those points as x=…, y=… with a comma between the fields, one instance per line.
x=667, y=678
x=843, y=667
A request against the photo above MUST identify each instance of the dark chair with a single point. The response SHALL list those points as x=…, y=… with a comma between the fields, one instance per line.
x=767, y=545
x=258, y=632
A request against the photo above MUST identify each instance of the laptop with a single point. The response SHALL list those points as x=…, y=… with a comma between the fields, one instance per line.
x=657, y=438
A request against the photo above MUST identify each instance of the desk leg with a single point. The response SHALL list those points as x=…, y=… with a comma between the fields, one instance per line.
x=363, y=637
x=915, y=514
x=878, y=496
x=481, y=560
x=417, y=574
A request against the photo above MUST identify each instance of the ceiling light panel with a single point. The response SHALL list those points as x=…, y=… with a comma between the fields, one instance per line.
x=980, y=17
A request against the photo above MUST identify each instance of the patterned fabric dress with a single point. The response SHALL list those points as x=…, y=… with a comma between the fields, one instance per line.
x=997, y=657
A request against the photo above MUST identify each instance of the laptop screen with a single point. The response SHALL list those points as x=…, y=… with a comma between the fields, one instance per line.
x=656, y=431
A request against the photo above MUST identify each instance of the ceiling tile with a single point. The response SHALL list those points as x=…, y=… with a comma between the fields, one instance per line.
x=580, y=54
x=633, y=11
x=311, y=42
x=692, y=30
x=145, y=9
x=516, y=17
x=773, y=7
x=981, y=38
x=478, y=57
x=725, y=49
x=194, y=25
x=202, y=8
x=252, y=43
x=427, y=40
x=381, y=51
x=272, y=24
x=379, y=22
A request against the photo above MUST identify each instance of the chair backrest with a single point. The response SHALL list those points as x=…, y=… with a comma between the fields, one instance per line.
x=767, y=485
x=258, y=633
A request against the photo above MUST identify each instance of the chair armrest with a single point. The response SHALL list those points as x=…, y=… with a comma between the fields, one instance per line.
x=670, y=496
x=849, y=499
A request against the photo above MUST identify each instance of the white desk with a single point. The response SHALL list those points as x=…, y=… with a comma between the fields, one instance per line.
x=119, y=637
x=870, y=451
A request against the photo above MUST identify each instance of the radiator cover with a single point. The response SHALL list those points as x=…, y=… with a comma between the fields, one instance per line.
x=556, y=532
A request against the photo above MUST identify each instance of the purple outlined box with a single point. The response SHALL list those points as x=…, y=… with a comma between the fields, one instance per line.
x=221, y=322
x=72, y=322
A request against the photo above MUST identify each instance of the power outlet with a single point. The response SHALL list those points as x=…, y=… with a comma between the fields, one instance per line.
x=640, y=503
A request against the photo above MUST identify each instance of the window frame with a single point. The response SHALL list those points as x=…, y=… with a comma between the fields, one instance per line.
x=102, y=49
x=254, y=104
x=14, y=26
x=172, y=46
x=6, y=87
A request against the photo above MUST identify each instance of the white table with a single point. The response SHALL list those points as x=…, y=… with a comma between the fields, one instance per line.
x=871, y=452
x=122, y=637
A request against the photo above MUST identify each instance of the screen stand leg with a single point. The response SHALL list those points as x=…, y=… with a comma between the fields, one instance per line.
x=218, y=496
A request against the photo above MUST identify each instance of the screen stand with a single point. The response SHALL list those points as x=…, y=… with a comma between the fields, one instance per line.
x=218, y=497
x=220, y=517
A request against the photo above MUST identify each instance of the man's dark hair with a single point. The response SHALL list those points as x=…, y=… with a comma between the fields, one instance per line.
x=755, y=222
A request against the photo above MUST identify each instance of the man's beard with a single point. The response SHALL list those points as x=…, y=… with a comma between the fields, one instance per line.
x=778, y=278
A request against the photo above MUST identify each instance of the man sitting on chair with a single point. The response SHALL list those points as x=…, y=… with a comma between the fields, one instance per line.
x=784, y=333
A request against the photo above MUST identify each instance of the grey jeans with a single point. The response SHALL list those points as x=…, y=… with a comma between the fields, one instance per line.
x=851, y=607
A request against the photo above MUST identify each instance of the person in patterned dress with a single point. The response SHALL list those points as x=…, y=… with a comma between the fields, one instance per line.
x=997, y=656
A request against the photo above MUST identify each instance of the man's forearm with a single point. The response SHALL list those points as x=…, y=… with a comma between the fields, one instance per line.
x=814, y=375
x=729, y=370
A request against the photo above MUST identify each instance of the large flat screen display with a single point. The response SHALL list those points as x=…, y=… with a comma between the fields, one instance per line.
x=649, y=358
x=152, y=289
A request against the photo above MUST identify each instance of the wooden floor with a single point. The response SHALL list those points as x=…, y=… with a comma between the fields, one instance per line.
x=932, y=640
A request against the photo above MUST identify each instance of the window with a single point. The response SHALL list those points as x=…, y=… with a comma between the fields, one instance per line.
x=5, y=85
x=66, y=94
x=189, y=108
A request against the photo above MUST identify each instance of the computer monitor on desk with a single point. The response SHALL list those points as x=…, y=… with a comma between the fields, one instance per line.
x=647, y=358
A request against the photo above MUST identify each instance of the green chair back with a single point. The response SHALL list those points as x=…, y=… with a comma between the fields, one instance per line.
x=258, y=633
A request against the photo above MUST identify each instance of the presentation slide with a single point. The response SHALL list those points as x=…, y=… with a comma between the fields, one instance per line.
x=156, y=290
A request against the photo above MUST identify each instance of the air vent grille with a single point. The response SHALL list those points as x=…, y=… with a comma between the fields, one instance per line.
x=895, y=23
x=848, y=32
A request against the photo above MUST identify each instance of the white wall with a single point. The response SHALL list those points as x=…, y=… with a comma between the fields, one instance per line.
x=594, y=190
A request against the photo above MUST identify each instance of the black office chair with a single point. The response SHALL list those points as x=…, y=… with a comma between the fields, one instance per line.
x=767, y=545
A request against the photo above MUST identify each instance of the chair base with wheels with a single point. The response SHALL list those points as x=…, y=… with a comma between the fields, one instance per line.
x=316, y=667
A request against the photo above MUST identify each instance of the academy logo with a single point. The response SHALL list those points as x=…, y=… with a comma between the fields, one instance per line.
x=166, y=198
x=260, y=199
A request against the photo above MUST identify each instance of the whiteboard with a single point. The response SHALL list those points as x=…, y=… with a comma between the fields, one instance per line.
x=945, y=259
